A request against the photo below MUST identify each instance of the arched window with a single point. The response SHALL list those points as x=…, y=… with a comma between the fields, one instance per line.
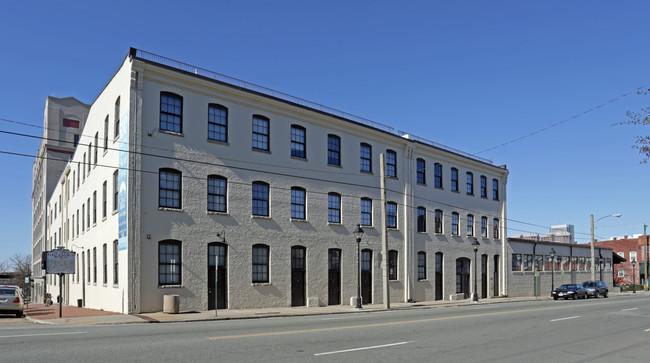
x=171, y=112
x=366, y=212
x=391, y=215
x=391, y=163
x=454, y=223
x=261, y=132
x=392, y=265
x=483, y=186
x=439, y=275
x=169, y=188
x=116, y=119
x=260, y=199
x=298, y=141
x=422, y=265
x=366, y=158
x=217, y=123
x=333, y=150
x=260, y=263
x=217, y=189
x=421, y=171
x=454, y=179
x=334, y=208
x=169, y=262
x=422, y=219
x=298, y=203
x=438, y=221
x=437, y=175
x=470, y=183
x=470, y=225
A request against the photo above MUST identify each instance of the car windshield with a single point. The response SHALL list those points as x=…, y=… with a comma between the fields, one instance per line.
x=569, y=287
x=5, y=291
x=589, y=284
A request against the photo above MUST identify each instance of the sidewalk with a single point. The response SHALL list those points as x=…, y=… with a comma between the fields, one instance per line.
x=38, y=313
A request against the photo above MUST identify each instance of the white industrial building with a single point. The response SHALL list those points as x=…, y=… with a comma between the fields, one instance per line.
x=176, y=165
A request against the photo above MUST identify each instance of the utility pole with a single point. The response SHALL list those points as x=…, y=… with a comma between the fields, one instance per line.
x=384, y=236
x=646, y=255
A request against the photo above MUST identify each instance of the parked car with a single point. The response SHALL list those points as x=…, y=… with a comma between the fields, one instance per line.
x=596, y=288
x=11, y=300
x=570, y=291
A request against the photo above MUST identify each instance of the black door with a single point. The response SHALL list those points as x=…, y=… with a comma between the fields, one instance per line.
x=438, y=286
x=220, y=250
x=496, y=275
x=462, y=277
x=366, y=276
x=298, y=276
x=334, y=277
x=484, y=279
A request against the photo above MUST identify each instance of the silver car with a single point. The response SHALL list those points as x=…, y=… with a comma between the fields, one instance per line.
x=11, y=300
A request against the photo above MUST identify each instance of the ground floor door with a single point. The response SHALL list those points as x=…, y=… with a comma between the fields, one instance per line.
x=366, y=276
x=462, y=277
x=298, y=273
x=438, y=286
x=484, y=277
x=496, y=275
x=334, y=277
x=217, y=251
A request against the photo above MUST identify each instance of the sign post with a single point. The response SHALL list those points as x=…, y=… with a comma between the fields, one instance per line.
x=61, y=262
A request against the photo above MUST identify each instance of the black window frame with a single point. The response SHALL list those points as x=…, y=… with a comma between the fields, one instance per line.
x=393, y=258
x=422, y=265
x=469, y=177
x=366, y=211
x=298, y=142
x=365, y=156
x=421, y=219
x=298, y=203
x=421, y=171
x=260, y=264
x=437, y=175
x=115, y=190
x=495, y=228
x=333, y=208
x=438, y=221
x=261, y=133
x=261, y=192
x=391, y=163
x=454, y=179
x=217, y=122
x=171, y=114
x=391, y=215
x=484, y=227
x=116, y=271
x=495, y=189
x=483, y=186
x=217, y=195
x=171, y=256
x=116, y=119
x=170, y=191
x=455, y=220
x=470, y=225
x=333, y=150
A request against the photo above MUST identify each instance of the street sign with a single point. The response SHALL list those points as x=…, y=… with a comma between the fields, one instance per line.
x=60, y=261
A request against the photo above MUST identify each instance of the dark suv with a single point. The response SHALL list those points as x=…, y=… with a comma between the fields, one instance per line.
x=596, y=288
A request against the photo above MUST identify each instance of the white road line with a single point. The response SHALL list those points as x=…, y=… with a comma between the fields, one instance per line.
x=570, y=317
x=341, y=318
x=40, y=335
x=629, y=309
x=364, y=348
x=647, y=330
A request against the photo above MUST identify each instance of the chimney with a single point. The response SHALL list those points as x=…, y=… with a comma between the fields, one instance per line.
x=614, y=238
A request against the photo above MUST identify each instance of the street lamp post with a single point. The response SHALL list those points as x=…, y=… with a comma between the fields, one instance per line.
x=552, y=270
x=593, y=267
x=634, y=276
x=475, y=244
x=358, y=232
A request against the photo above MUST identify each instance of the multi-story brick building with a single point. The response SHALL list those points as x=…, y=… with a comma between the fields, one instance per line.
x=631, y=249
x=181, y=171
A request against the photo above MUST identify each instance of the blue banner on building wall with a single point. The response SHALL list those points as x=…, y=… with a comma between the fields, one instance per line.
x=123, y=182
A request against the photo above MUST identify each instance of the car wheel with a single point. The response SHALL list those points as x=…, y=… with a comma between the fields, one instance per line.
x=554, y=297
x=19, y=315
x=575, y=296
x=605, y=296
x=566, y=298
x=596, y=295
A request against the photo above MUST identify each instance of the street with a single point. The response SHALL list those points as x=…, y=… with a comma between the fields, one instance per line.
x=617, y=328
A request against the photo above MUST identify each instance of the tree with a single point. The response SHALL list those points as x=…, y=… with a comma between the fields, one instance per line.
x=22, y=267
x=642, y=118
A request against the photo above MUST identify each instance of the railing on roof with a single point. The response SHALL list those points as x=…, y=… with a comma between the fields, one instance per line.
x=138, y=53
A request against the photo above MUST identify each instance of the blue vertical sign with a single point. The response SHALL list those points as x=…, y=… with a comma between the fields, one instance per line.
x=122, y=182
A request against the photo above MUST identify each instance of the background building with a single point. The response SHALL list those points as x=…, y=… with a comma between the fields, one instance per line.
x=185, y=180
x=629, y=248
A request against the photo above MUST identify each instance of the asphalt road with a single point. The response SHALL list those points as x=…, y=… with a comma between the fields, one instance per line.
x=613, y=329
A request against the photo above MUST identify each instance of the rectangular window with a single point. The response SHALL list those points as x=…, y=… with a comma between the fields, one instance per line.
x=260, y=133
x=260, y=199
x=437, y=175
x=169, y=192
x=470, y=225
x=169, y=263
x=470, y=183
x=260, y=264
x=75, y=140
x=171, y=112
x=392, y=265
x=633, y=256
x=116, y=118
x=454, y=179
x=84, y=168
x=454, y=223
x=484, y=227
x=438, y=221
x=421, y=171
x=88, y=254
x=96, y=146
x=366, y=158
x=422, y=219
x=422, y=266
x=483, y=186
x=298, y=141
x=78, y=221
x=94, y=265
x=115, y=191
x=217, y=123
x=516, y=262
x=495, y=228
x=539, y=262
x=105, y=265
x=104, y=202
x=88, y=215
x=391, y=215
x=333, y=150
x=106, y=134
x=298, y=201
x=115, y=263
x=528, y=263
x=90, y=157
x=217, y=186
x=334, y=208
x=391, y=163
x=94, y=208
x=366, y=212
x=495, y=189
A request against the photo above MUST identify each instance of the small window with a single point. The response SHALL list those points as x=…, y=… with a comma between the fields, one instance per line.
x=437, y=175
x=484, y=227
x=454, y=179
x=298, y=141
x=217, y=123
x=116, y=118
x=422, y=266
x=260, y=263
x=391, y=215
x=366, y=212
x=104, y=264
x=470, y=183
x=392, y=265
x=217, y=189
x=260, y=199
x=104, y=201
x=470, y=225
x=94, y=207
x=422, y=219
x=333, y=150
x=260, y=133
x=421, y=173
x=94, y=265
x=391, y=163
x=115, y=263
x=366, y=158
x=334, y=208
x=495, y=228
x=516, y=262
x=105, y=134
x=298, y=202
x=171, y=112
x=483, y=186
x=438, y=221
x=169, y=188
x=454, y=223
x=495, y=189
x=96, y=147
x=169, y=263
x=528, y=262
x=115, y=191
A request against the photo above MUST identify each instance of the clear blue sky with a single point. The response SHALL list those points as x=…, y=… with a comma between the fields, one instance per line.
x=468, y=74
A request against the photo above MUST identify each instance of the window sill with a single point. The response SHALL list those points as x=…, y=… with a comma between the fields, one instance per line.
x=116, y=138
x=261, y=284
x=470, y=194
x=260, y=217
x=441, y=188
x=484, y=197
x=104, y=285
x=455, y=191
x=299, y=220
x=216, y=213
x=334, y=224
x=105, y=152
x=114, y=212
x=103, y=219
x=173, y=133
x=421, y=232
x=299, y=158
x=392, y=228
x=219, y=142
x=167, y=209
x=170, y=286
x=394, y=177
x=262, y=151
x=335, y=165
x=116, y=286
x=422, y=184
x=368, y=226
x=366, y=172
x=423, y=280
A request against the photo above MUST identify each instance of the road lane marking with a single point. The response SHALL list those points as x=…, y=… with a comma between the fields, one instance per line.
x=363, y=348
x=42, y=334
x=570, y=317
x=629, y=309
x=252, y=335
x=647, y=330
